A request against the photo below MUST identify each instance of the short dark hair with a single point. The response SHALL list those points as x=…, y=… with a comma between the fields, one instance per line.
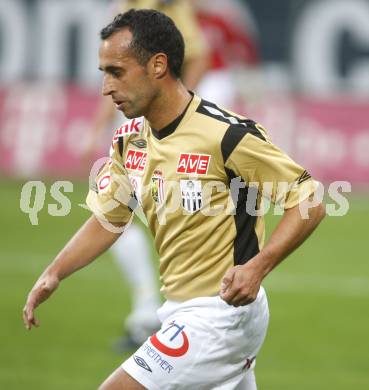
x=152, y=32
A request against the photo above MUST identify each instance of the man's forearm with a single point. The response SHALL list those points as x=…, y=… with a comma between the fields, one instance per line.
x=289, y=234
x=88, y=243
x=241, y=284
x=194, y=70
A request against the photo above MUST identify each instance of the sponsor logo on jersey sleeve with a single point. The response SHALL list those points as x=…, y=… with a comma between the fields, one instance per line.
x=131, y=127
x=103, y=183
x=191, y=163
x=136, y=160
x=139, y=143
x=172, y=341
x=191, y=193
x=157, y=186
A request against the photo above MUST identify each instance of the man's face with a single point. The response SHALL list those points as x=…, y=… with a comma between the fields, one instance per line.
x=125, y=80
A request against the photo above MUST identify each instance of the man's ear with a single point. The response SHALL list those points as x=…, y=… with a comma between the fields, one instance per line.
x=159, y=65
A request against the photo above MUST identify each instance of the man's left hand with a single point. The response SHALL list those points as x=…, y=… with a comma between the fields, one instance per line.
x=240, y=285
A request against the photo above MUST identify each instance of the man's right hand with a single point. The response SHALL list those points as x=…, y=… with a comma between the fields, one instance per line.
x=41, y=291
x=90, y=241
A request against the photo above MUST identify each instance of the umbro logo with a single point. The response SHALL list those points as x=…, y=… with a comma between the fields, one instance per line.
x=139, y=143
x=141, y=362
x=305, y=176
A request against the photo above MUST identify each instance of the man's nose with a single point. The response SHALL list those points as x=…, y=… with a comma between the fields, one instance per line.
x=108, y=86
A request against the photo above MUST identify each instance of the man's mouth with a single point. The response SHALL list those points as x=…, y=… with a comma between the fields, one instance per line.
x=119, y=103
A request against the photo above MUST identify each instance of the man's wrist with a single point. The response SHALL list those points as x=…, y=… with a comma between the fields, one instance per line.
x=53, y=273
x=263, y=263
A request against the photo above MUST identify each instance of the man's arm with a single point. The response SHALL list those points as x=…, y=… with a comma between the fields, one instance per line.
x=194, y=70
x=88, y=243
x=241, y=284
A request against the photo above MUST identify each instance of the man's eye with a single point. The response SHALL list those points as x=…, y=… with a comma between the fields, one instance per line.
x=116, y=73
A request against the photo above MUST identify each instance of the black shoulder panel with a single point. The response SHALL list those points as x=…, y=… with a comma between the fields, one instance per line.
x=234, y=135
x=238, y=127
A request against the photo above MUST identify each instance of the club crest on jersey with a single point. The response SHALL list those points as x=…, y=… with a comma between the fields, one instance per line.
x=157, y=186
x=191, y=163
x=191, y=195
x=131, y=127
x=136, y=183
x=136, y=160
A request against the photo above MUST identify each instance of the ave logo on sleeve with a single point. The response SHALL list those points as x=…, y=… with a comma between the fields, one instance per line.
x=136, y=160
x=193, y=163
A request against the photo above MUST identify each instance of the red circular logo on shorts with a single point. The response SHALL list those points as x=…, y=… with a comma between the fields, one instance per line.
x=175, y=352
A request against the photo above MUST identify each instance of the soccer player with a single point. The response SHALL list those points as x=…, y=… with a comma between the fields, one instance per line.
x=142, y=320
x=197, y=171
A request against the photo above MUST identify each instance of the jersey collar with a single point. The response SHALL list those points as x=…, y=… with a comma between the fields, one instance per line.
x=169, y=129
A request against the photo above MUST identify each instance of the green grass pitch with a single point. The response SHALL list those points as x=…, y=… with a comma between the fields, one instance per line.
x=319, y=303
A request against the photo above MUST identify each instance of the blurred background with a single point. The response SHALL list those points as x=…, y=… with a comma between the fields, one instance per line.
x=299, y=67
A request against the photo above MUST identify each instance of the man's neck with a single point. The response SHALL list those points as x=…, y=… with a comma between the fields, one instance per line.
x=168, y=105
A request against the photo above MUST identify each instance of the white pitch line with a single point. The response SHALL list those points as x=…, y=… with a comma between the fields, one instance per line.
x=356, y=286
x=345, y=286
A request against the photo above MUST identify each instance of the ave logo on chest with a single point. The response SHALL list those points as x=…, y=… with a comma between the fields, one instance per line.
x=193, y=163
x=136, y=160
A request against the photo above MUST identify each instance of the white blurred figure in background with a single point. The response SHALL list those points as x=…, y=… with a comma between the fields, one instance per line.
x=234, y=76
x=132, y=251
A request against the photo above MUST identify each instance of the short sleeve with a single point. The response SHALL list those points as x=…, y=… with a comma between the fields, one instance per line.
x=250, y=154
x=111, y=197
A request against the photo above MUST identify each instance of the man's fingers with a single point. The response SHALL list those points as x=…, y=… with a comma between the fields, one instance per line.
x=227, y=280
x=228, y=295
x=35, y=322
x=228, y=287
x=28, y=315
x=241, y=296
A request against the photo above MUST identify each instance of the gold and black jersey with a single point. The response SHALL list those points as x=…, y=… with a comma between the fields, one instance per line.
x=200, y=182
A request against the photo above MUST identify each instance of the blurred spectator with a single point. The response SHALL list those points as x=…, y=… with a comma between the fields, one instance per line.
x=231, y=34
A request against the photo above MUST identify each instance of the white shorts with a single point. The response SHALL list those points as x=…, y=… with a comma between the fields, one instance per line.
x=203, y=343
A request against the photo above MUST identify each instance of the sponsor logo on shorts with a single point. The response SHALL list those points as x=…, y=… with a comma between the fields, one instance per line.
x=172, y=341
x=136, y=160
x=157, y=358
x=191, y=163
x=191, y=194
x=249, y=362
x=141, y=362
